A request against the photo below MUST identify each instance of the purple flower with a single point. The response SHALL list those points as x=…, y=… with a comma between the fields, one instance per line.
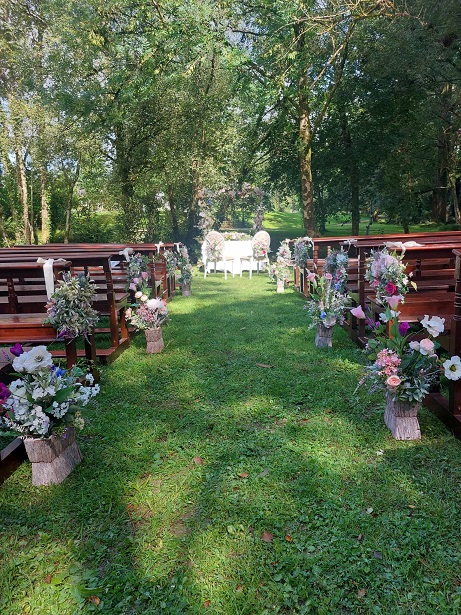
x=4, y=393
x=17, y=349
x=404, y=327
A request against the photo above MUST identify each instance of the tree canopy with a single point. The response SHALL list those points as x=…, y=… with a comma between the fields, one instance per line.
x=133, y=112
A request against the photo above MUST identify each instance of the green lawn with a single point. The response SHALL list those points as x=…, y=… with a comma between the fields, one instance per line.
x=237, y=473
x=282, y=224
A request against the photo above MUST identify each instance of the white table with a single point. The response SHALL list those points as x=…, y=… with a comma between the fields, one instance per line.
x=235, y=249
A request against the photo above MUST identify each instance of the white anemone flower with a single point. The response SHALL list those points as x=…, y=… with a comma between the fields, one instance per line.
x=34, y=360
x=434, y=325
x=452, y=368
x=155, y=304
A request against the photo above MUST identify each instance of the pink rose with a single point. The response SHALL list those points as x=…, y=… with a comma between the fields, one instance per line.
x=328, y=276
x=358, y=312
x=394, y=301
x=132, y=286
x=393, y=382
x=426, y=346
x=138, y=295
x=136, y=280
x=391, y=288
x=144, y=275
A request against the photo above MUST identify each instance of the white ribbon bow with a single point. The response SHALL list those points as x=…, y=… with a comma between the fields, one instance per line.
x=126, y=253
x=48, y=273
x=157, y=245
x=177, y=246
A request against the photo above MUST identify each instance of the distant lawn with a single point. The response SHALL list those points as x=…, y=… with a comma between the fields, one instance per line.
x=282, y=224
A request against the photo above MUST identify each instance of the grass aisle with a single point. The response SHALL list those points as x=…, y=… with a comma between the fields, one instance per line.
x=212, y=484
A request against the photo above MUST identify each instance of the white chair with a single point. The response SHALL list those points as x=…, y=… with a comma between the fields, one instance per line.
x=213, y=251
x=261, y=240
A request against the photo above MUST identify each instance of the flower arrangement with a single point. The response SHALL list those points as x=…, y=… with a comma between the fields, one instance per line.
x=44, y=399
x=279, y=271
x=70, y=309
x=137, y=273
x=235, y=236
x=327, y=303
x=213, y=248
x=404, y=367
x=260, y=248
x=302, y=251
x=150, y=314
x=386, y=274
x=171, y=262
x=336, y=264
x=185, y=267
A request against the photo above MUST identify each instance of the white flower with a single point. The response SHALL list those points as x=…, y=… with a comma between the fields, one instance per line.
x=452, y=368
x=34, y=360
x=155, y=304
x=18, y=390
x=433, y=325
x=414, y=345
x=383, y=316
x=89, y=378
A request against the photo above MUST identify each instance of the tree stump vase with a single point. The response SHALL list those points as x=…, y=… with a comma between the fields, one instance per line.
x=402, y=418
x=280, y=286
x=323, y=337
x=185, y=289
x=154, y=340
x=52, y=458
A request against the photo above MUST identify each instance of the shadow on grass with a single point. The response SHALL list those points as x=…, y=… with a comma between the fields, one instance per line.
x=191, y=455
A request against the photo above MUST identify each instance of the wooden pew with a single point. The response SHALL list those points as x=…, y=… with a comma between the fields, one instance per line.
x=108, y=302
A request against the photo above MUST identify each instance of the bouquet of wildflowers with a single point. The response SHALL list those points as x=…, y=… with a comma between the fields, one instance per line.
x=137, y=273
x=150, y=314
x=336, y=264
x=327, y=303
x=406, y=368
x=260, y=248
x=171, y=262
x=185, y=266
x=386, y=274
x=213, y=248
x=44, y=399
x=70, y=309
x=302, y=251
x=280, y=269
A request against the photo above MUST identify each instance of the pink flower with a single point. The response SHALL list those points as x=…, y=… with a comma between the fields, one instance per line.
x=375, y=283
x=394, y=301
x=132, y=286
x=328, y=276
x=358, y=312
x=138, y=295
x=426, y=346
x=144, y=275
x=393, y=382
x=136, y=280
x=391, y=288
x=311, y=276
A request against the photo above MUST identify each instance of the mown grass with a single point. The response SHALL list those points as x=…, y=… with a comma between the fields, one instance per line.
x=192, y=457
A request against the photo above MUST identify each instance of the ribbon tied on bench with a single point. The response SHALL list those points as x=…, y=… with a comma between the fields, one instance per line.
x=48, y=273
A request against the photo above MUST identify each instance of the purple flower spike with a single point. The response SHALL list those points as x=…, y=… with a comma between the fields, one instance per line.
x=17, y=349
x=404, y=327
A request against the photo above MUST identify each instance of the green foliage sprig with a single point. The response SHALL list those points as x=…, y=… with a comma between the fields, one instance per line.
x=70, y=309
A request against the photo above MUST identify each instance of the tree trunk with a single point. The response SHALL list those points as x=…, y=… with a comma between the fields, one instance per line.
x=70, y=198
x=441, y=190
x=455, y=197
x=305, y=160
x=44, y=207
x=353, y=176
x=22, y=191
x=174, y=215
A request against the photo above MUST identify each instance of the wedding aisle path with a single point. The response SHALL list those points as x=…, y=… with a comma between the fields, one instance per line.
x=238, y=473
